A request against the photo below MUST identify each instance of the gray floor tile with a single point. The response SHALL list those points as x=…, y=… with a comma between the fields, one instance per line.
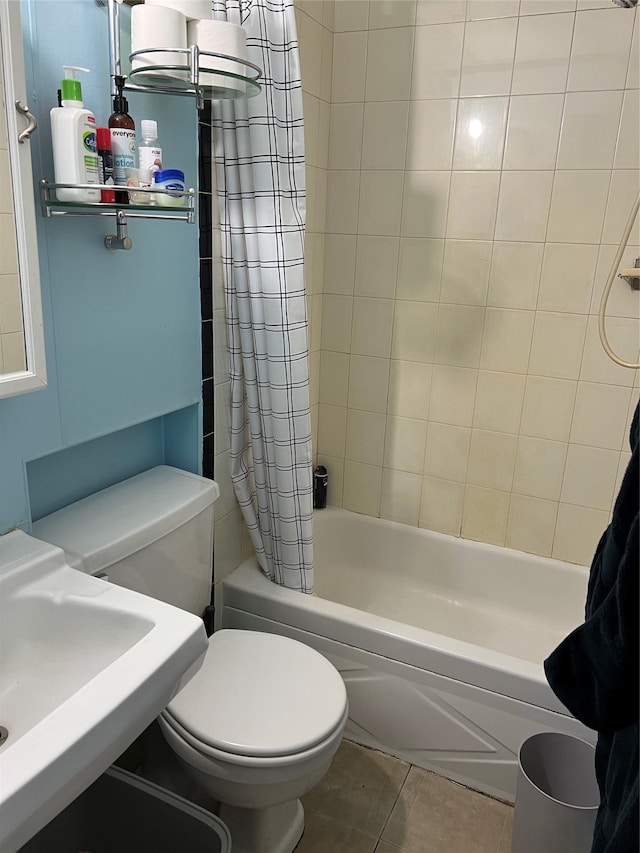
x=323, y=834
x=434, y=815
x=507, y=830
x=360, y=788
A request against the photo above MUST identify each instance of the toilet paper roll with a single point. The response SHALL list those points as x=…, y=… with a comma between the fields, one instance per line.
x=220, y=37
x=158, y=26
x=193, y=10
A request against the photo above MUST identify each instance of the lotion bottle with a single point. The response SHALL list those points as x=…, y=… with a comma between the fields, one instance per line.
x=123, y=140
x=73, y=134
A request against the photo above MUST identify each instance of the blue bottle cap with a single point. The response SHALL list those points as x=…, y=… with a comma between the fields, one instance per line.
x=168, y=175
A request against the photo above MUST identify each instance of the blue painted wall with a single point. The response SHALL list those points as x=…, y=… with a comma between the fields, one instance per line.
x=122, y=328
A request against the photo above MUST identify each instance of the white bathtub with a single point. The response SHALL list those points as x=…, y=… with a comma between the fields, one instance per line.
x=440, y=640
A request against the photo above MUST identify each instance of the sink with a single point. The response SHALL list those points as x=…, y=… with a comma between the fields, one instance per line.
x=85, y=666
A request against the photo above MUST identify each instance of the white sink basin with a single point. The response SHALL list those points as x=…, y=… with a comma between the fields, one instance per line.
x=85, y=666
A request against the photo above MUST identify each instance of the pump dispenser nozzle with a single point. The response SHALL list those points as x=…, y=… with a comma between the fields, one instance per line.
x=69, y=86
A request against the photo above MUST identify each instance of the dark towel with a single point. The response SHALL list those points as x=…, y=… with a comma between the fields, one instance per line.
x=594, y=671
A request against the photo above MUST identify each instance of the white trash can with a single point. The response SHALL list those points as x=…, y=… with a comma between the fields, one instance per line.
x=557, y=795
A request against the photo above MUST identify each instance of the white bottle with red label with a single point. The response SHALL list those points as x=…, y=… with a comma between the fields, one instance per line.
x=75, y=151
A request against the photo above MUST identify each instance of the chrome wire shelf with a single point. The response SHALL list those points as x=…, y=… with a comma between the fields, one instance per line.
x=52, y=206
x=199, y=76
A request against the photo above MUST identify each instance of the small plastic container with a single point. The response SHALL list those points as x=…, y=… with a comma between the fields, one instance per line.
x=170, y=179
x=139, y=178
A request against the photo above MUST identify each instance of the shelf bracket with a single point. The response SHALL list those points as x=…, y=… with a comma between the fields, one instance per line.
x=632, y=276
x=121, y=239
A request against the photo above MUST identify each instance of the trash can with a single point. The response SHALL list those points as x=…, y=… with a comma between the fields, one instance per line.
x=557, y=795
x=122, y=813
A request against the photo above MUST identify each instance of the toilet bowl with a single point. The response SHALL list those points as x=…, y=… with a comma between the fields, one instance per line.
x=258, y=724
x=257, y=728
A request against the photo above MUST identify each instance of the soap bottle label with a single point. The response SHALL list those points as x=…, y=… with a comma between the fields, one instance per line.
x=150, y=158
x=90, y=149
x=123, y=147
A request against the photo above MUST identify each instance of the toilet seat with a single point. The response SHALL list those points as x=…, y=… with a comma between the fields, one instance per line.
x=259, y=697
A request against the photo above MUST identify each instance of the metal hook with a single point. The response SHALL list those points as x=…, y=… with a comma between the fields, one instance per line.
x=121, y=239
x=31, y=126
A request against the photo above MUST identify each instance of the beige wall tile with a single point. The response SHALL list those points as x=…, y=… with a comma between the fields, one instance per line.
x=539, y=468
x=589, y=130
x=465, y=273
x=345, y=139
x=13, y=354
x=349, y=66
x=472, y=205
x=340, y=263
x=492, y=458
x=596, y=364
x=622, y=193
x=227, y=546
x=343, y=191
x=447, y=451
x=372, y=327
x=389, y=54
x=405, y=444
x=533, y=131
x=441, y=505
x=350, y=15
x=336, y=322
x=376, y=265
x=589, y=476
x=545, y=7
x=310, y=38
x=440, y=11
x=557, y=345
x=478, y=9
x=368, y=383
x=362, y=488
x=459, y=335
x=506, y=340
x=365, y=437
x=430, y=135
x=568, y=271
x=623, y=301
x=633, y=73
x=487, y=60
x=485, y=515
x=515, y=274
x=547, y=411
x=400, y=496
x=419, y=269
x=380, y=203
x=334, y=378
x=398, y=13
x=480, y=133
x=499, y=398
x=531, y=524
x=523, y=206
x=437, y=53
x=542, y=54
x=599, y=417
x=578, y=530
x=10, y=304
x=453, y=391
x=599, y=52
x=628, y=146
x=332, y=430
x=384, y=140
x=414, y=331
x=409, y=389
x=424, y=204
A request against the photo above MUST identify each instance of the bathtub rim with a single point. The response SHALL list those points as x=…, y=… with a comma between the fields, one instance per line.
x=248, y=588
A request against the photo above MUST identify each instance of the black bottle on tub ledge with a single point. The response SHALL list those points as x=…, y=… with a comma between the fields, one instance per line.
x=320, y=480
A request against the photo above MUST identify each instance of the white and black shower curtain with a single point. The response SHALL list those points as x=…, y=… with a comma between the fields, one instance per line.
x=259, y=153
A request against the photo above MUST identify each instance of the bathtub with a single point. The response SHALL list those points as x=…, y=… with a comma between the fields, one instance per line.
x=440, y=640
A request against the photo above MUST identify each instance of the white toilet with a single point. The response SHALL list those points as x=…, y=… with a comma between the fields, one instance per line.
x=258, y=725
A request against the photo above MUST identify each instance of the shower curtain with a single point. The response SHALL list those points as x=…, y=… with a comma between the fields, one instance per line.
x=259, y=156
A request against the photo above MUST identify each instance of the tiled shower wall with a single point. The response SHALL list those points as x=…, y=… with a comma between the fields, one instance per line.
x=482, y=160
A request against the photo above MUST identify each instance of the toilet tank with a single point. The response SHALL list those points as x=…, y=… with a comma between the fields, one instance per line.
x=152, y=533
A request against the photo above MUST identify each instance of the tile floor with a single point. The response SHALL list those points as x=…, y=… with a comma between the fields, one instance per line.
x=370, y=802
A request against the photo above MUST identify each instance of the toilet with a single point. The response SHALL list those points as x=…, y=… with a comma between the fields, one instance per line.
x=258, y=724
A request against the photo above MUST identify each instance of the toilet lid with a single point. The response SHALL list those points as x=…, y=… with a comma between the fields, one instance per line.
x=260, y=695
